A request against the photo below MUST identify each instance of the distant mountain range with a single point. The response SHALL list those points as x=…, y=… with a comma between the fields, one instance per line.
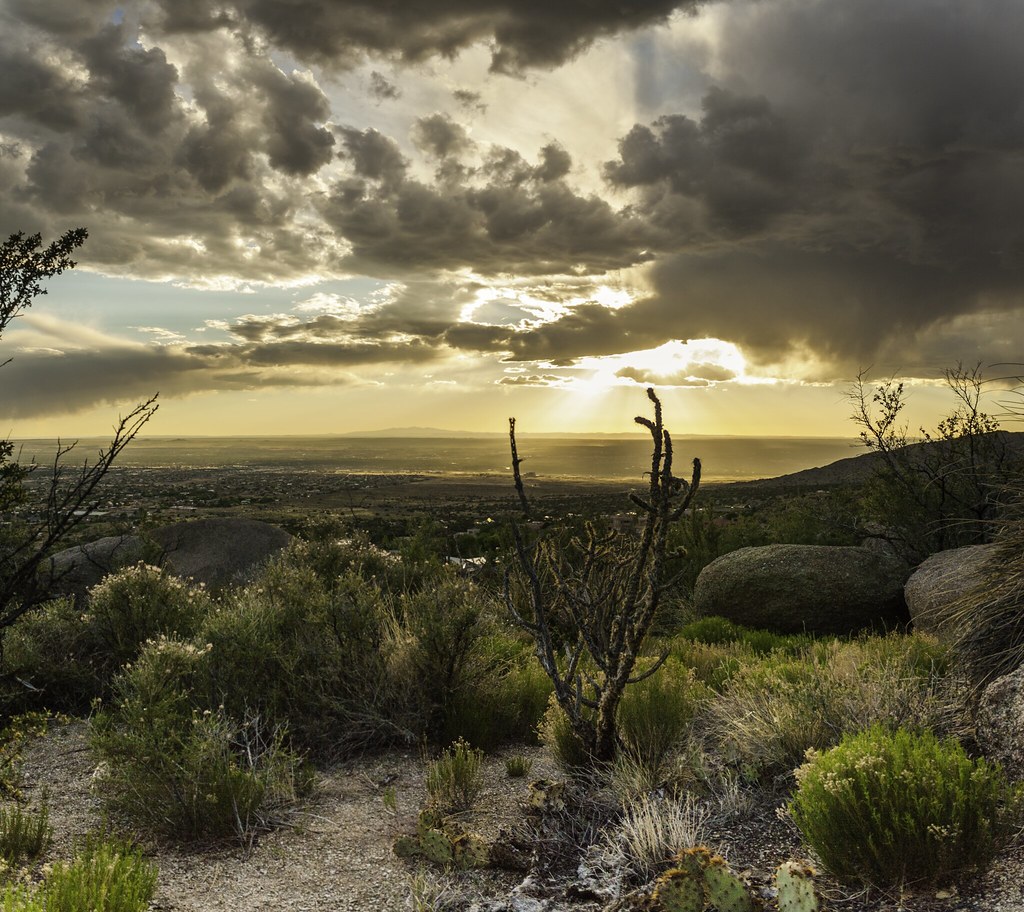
x=854, y=470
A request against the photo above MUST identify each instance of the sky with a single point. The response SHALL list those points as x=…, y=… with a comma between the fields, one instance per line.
x=319, y=217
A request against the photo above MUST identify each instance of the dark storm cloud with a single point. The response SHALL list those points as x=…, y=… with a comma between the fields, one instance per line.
x=140, y=80
x=522, y=33
x=741, y=161
x=296, y=144
x=507, y=216
x=865, y=195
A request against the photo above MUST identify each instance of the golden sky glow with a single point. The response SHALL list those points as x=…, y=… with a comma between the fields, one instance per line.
x=462, y=211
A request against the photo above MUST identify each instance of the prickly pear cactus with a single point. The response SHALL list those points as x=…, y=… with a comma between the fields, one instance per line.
x=795, y=885
x=429, y=819
x=470, y=851
x=437, y=847
x=694, y=860
x=724, y=890
x=546, y=795
x=407, y=847
x=678, y=890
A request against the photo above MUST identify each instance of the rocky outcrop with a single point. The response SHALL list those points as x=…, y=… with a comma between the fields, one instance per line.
x=218, y=552
x=819, y=589
x=74, y=571
x=215, y=552
x=939, y=583
x=1000, y=721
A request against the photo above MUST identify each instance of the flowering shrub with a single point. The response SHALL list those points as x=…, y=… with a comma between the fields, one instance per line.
x=69, y=655
x=177, y=767
x=898, y=807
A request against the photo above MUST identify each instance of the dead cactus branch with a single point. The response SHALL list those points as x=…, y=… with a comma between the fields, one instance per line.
x=589, y=603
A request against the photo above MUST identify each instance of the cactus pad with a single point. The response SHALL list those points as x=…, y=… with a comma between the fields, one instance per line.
x=678, y=890
x=437, y=847
x=470, y=851
x=429, y=819
x=694, y=860
x=725, y=891
x=795, y=885
x=407, y=847
x=547, y=795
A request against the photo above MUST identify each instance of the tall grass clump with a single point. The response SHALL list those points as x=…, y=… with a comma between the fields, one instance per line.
x=773, y=710
x=105, y=876
x=24, y=834
x=655, y=720
x=455, y=779
x=989, y=618
x=175, y=767
x=653, y=829
x=899, y=807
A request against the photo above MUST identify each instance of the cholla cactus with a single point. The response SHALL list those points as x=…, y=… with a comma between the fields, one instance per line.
x=608, y=589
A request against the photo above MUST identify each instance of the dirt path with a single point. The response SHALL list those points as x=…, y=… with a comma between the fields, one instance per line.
x=334, y=857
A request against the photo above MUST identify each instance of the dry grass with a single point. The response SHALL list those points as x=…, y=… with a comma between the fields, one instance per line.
x=653, y=829
x=990, y=617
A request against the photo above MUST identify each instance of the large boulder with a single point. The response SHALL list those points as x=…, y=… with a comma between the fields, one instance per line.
x=218, y=552
x=215, y=552
x=74, y=571
x=939, y=583
x=819, y=589
x=999, y=721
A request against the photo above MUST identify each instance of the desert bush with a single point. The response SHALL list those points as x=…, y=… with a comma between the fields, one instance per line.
x=557, y=734
x=507, y=700
x=24, y=834
x=437, y=638
x=175, y=767
x=773, y=710
x=454, y=779
x=13, y=738
x=942, y=489
x=105, y=876
x=313, y=658
x=69, y=656
x=715, y=631
x=655, y=718
x=893, y=807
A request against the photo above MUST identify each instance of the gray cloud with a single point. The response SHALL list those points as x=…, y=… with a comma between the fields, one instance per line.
x=382, y=88
x=505, y=217
x=868, y=197
x=523, y=34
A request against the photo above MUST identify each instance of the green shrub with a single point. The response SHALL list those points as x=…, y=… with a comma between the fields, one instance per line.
x=773, y=710
x=310, y=657
x=556, y=733
x=518, y=766
x=454, y=779
x=23, y=834
x=899, y=807
x=185, y=771
x=104, y=877
x=509, y=697
x=715, y=630
x=438, y=634
x=656, y=716
x=69, y=656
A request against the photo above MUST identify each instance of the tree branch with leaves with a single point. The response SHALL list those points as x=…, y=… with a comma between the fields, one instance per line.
x=70, y=493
